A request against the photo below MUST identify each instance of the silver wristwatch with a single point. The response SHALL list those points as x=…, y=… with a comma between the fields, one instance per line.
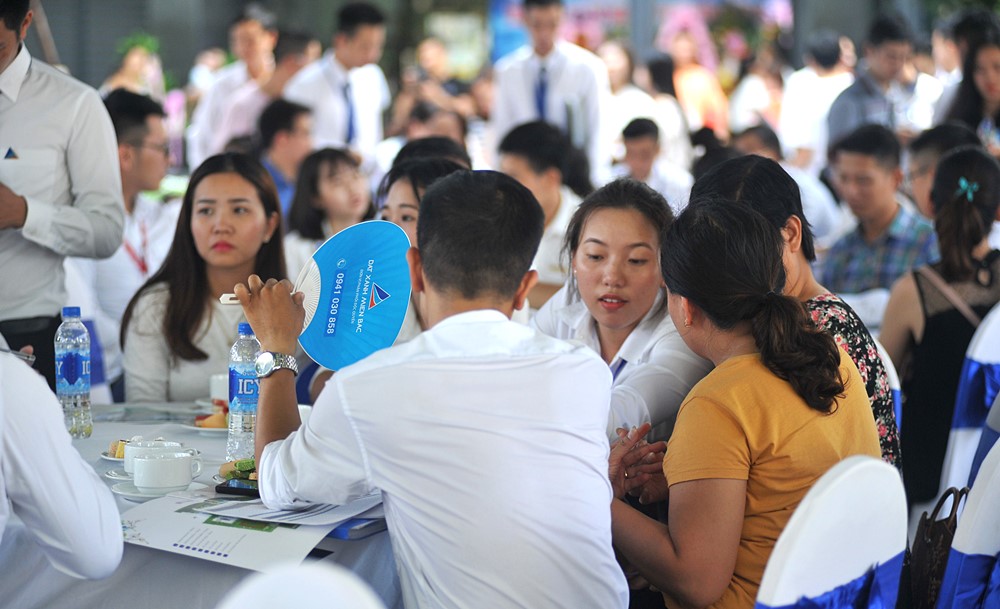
x=269, y=361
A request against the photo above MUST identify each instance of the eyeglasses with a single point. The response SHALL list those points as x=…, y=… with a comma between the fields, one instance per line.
x=163, y=149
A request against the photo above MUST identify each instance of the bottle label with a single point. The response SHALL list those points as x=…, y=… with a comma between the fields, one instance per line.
x=73, y=371
x=243, y=388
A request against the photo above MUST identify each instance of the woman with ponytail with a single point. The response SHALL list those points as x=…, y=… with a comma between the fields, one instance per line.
x=781, y=407
x=933, y=311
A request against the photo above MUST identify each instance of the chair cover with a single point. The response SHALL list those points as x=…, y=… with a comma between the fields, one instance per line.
x=895, y=388
x=843, y=546
x=972, y=577
x=306, y=586
x=991, y=433
x=977, y=388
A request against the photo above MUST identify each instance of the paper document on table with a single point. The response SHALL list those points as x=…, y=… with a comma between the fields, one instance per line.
x=316, y=514
x=180, y=525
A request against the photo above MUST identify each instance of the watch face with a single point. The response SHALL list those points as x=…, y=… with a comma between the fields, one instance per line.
x=265, y=364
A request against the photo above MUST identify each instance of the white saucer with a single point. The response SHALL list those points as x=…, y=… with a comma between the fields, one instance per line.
x=128, y=491
x=106, y=457
x=206, y=431
x=117, y=474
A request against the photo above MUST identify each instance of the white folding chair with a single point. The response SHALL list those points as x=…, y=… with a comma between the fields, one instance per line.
x=895, y=387
x=977, y=389
x=848, y=534
x=312, y=585
x=972, y=577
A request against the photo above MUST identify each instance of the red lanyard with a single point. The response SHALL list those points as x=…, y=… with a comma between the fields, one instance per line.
x=139, y=260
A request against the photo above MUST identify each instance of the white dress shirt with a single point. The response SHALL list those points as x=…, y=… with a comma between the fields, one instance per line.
x=670, y=180
x=45, y=482
x=58, y=151
x=209, y=112
x=111, y=283
x=805, y=106
x=578, y=90
x=487, y=440
x=818, y=204
x=240, y=115
x=152, y=374
x=320, y=87
x=653, y=371
x=549, y=260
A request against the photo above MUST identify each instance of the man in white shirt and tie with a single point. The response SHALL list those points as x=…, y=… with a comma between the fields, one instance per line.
x=486, y=438
x=103, y=288
x=557, y=82
x=346, y=90
x=60, y=189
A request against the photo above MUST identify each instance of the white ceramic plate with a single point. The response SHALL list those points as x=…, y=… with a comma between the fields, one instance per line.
x=206, y=431
x=128, y=491
x=107, y=457
x=117, y=474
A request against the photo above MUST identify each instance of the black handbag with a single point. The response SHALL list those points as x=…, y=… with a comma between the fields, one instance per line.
x=928, y=556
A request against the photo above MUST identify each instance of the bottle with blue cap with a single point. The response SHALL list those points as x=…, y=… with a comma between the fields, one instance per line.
x=72, y=346
x=243, y=389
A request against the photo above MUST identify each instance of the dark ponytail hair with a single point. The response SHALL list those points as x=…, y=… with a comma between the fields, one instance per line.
x=764, y=186
x=965, y=195
x=726, y=259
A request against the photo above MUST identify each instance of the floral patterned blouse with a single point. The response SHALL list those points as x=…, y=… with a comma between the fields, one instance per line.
x=839, y=319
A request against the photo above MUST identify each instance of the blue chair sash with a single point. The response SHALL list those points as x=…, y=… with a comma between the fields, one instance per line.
x=971, y=581
x=977, y=388
x=876, y=589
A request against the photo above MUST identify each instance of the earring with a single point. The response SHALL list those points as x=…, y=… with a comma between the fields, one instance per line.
x=687, y=323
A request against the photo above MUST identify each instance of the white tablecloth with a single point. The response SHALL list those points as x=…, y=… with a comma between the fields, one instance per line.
x=149, y=578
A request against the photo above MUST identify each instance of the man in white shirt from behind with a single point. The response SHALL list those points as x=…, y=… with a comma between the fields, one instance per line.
x=63, y=505
x=486, y=438
x=252, y=37
x=143, y=156
x=345, y=89
x=557, y=82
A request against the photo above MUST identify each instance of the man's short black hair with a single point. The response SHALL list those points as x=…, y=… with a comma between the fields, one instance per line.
x=765, y=135
x=291, y=43
x=280, y=115
x=641, y=127
x=478, y=233
x=356, y=14
x=129, y=112
x=889, y=28
x=973, y=25
x=256, y=12
x=542, y=145
x=13, y=13
x=433, y=147
x=943, y=138
x=871, y=140
x=824, y=47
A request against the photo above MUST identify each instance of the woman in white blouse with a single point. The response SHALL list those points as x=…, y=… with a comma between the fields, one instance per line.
x=615, y=303
x=175, y=333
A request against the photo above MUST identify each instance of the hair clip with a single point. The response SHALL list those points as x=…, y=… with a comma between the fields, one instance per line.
x=967, y=188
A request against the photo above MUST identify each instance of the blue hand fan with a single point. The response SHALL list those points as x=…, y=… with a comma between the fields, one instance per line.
x=357, y=289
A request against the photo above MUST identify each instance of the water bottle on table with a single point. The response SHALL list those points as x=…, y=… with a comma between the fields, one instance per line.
x=72, y=346
x=243, y=389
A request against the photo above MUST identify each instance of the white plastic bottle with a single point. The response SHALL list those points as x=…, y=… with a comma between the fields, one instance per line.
x=243, y=389
x=72, y=346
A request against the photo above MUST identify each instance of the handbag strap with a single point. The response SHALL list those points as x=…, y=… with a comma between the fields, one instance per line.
x=957, y=495
x=948, y=292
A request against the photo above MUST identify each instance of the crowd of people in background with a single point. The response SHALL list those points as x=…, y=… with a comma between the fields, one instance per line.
x=724, y=257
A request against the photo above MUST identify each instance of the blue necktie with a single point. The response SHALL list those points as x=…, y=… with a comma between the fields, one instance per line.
x=541, y=91
x=350, y=113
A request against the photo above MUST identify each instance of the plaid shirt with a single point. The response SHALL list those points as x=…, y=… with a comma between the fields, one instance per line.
x=854, y=265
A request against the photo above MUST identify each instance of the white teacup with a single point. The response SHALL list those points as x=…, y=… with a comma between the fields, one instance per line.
x=219, y=389
x=148, y=447
x=165, y=472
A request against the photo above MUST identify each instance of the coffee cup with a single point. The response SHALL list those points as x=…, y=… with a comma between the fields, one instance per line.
x=147, y=447
x=164, y=472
